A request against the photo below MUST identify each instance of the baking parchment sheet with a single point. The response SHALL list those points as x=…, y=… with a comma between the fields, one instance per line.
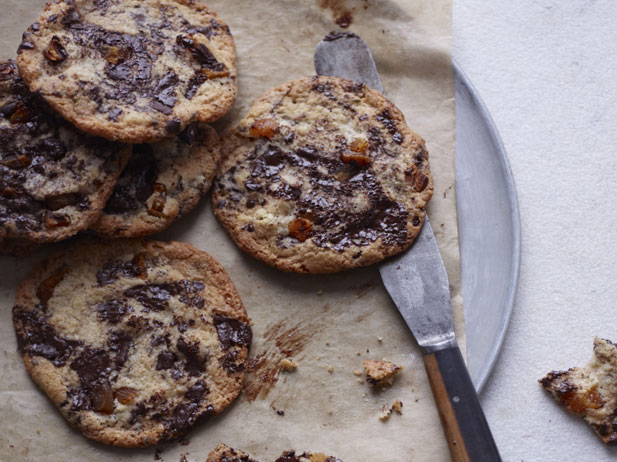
x=320, y=321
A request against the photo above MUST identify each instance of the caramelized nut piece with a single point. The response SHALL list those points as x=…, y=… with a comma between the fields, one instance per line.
x=9, y=192
x=55, y=52
x=411, y=171
x=265, y=128
x=139, y=260
x=114, y=55
x=57, y=220
x=359, y=145
x=20, y=161
x=46, y=289
x=158, y=204
x=126, y=395
x=20, y=115
x=216, y=73
x=579, y=403
x=300, y=228
x=62, y=200
x=359, y=159
x=102, y=399
x=419, y=179
x=421, y=182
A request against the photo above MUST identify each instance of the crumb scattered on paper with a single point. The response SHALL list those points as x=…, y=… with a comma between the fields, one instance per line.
x=380, y=373
x=288, y=365
x=397, y=407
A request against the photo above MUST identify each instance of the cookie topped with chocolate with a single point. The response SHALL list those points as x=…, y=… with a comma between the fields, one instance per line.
x=162, y=182
x=131, y=70
x=135, y=343
x=323, y=174
x=54, y=179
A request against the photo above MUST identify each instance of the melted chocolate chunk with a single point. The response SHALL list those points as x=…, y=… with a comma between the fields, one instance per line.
x=136, y=183
x=120, y=342
x=185, y=416
x=232, y=332
x=230, y=362
x=112, y=270
x=194, y=361
x=386, y=120
x=112, y=311
x=196, y=392
x=165, y=360
x=334, y=225
x=37, y=337
x=154, y=297
x=92, y=366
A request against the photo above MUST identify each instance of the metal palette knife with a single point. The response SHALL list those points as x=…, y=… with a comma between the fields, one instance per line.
x=418, y=284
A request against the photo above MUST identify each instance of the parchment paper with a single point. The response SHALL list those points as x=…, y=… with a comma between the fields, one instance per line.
x=320, y=321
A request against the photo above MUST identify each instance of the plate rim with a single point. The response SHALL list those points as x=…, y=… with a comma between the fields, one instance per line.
x=481, y=376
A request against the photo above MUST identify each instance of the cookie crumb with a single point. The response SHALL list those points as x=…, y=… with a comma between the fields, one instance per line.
x=357, y=372
x=380, y=373
x=380, y=340
x=397, y=407
x=320, y=292
x=330, y=369
x=288, y=365
x=330, y=412
x=280, y=412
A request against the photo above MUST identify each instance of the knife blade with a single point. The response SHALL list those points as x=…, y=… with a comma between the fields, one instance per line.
x=418, y=285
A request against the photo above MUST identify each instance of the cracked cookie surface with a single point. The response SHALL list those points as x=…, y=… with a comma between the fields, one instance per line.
x=162, y=182
x=54, y=179
x=131, y=70
x=136, y=342
x=322, y=175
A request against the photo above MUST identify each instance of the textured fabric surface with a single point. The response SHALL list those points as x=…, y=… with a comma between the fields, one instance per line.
x=546, y=71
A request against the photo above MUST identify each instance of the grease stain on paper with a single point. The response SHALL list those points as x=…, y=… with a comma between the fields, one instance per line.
x=341, y=14
x=281, y=341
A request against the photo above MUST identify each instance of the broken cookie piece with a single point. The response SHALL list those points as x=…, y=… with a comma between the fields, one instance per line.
x=380, y=373
x=290, y=456
x=590, y=391
x=223, y=453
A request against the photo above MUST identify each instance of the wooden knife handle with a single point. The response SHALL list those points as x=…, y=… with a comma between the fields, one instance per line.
x=468, y=434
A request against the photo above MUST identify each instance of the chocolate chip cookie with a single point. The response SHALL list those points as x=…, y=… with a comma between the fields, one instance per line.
x=590, y=391
x=131, y=70
x=136, y=342
x=54, y=179
x=322, y=175
x=162, y=182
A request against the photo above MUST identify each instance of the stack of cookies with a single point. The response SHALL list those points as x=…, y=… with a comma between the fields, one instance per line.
x=103, y=118
x=103, y=129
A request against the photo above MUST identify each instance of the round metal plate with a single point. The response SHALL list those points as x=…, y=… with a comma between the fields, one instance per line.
x=489, y=229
